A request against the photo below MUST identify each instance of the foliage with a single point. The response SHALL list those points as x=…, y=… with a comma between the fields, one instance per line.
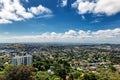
x=90, y=76
x=19, y=73
x=44, y=75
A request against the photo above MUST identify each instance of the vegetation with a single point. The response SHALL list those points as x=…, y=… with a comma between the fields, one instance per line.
x=18, y=73
x=64, y=63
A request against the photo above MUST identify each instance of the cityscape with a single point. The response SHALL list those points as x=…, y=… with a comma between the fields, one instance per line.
x=58, y=61
x=59, y=39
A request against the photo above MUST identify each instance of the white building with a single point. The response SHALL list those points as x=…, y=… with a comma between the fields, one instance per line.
x=25, y=60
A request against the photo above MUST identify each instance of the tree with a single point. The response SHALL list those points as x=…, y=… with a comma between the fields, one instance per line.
x=19, y=73
x=112, y=68
x=90, y=76
x=62, y=69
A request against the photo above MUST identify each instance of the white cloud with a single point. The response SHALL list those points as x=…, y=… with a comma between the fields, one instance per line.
x=39, y=10
x=64, y=3
x=100, y=36
x=4, y=21
x=83, y=17
x=13, y=10
x=108, y=7
x=83, y=6
x=71, y=33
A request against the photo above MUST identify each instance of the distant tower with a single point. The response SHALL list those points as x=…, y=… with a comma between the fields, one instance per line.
x=25, y=60
x=17, y=60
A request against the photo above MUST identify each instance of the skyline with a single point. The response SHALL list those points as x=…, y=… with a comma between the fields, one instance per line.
x=69, y=21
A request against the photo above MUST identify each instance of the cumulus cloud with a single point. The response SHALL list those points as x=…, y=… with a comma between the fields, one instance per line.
x=4, y=21
x=13, y=10
x=39, y=10
x=81, y=36
x=108, y=7
x=83, y=6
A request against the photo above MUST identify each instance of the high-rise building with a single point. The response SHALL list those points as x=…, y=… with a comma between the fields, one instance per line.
x=25, y=60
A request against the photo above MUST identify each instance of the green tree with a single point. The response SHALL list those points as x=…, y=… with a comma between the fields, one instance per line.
x=90, y=76
x=19, y=73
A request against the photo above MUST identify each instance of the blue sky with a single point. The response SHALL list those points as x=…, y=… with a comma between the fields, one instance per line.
x=81, y=21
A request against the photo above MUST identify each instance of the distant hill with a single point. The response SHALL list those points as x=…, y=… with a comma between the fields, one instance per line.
x=15, y=46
